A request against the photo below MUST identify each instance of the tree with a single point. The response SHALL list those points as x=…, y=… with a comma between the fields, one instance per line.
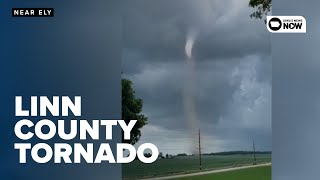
x=131, y=110
x=262, y=8
x=182, y=154
x=160, y=155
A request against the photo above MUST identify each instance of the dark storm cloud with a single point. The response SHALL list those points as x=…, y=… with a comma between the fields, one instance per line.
x=232, y=71
x=223, y=29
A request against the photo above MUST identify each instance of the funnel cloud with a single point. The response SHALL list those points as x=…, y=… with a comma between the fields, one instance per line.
x=189, y=94
x=189, y=46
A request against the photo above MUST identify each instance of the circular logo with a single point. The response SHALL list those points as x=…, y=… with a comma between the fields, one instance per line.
x=275, y=24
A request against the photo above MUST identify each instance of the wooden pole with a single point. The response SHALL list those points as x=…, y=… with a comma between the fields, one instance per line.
x=200, y=151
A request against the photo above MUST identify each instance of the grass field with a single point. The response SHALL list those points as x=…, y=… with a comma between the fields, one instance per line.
x=256, y=173
x=188, y=164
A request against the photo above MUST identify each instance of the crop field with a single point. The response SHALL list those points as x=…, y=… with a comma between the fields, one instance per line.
x=256, y=173
x=188, y=164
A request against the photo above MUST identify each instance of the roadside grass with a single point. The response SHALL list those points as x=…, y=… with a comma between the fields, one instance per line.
x=188, y=164
x=255, y=173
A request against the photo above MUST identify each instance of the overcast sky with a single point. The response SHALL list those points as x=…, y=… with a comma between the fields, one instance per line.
x=232, y=73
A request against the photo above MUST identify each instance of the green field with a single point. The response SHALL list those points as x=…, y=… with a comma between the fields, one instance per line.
x=188, y=164
x=257, y=173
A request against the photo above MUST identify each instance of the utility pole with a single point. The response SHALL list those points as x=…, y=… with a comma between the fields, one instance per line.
x=254, y=153
x=200, y=150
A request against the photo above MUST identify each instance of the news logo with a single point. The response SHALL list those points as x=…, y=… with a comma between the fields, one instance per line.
x=286, y=24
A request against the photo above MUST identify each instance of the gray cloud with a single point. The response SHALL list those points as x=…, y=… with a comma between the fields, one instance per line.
x=232, y=72
x=223, y=28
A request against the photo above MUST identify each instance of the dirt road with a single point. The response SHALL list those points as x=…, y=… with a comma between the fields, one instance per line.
x=208, y=172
